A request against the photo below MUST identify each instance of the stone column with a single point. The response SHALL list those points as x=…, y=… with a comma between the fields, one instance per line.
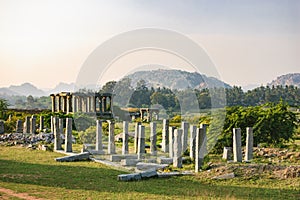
x=111, y=138
x=227, y=153
x=193, y=130
x=74, y=103
x=93, y=104
x=59, y=104
x=237, y=145
x=41, y=123
x=171, y=141
x=57, y=139
x=27, y=125
x=65, y=104
x=141, y=143
x=69, y=104
x=165, y=136
x=200, y=148
x=53, y=102
x=19, y=126
x=153, y=149
x=185, y=127
x=79, y=104
x=203, y=150
x=249, y=144
x=177, y=159
x=104, y=104
x=1, y=126
x=136, y=136
x=125, y=138
x=88, y=104
x=68, y=136
x=99, y=146
x=32, y=124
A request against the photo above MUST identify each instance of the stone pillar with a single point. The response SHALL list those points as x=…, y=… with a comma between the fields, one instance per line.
x=69, y=104
x=104, y=104
x=99, y=146
x=136, y=136
x=53, y=102
x=68, y=136
x=93, y=104
x=57, y=139
x=227, y=153
x=171, y=141
x=125, y=138
x=1, y=126
x=177, y=159
x=165, y=136
x=153, y=149
x=203, y=138
x=111, y=138
x=41, y=123
x=141, y=143
x=193, y=130
x=74, y=103
x=249, y=144
x=79, y=104
x=19, y=126
x=65, y=100
x=59, y=103
x=185, y=127
x=200, y=148
x=33, y=124
x=27, y=125
x=237, y=145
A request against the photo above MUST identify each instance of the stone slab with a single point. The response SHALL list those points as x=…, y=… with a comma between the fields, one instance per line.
x=150, y=166
x=119, y=157
x=77, y=157
x=163, y=160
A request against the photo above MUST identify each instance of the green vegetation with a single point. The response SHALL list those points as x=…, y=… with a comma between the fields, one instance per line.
x=37, y=174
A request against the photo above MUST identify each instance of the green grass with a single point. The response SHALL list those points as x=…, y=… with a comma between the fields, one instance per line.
x=37, y=174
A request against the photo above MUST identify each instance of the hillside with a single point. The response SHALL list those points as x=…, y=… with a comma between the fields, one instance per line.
x=176, y=79
x=288, y=79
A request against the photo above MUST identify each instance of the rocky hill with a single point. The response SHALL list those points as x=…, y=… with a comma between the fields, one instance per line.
x=176, y=79
x=288, y=79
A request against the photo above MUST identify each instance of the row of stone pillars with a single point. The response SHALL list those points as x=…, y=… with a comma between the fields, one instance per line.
x=29, y=125
x=80, y=102
x=175, y=141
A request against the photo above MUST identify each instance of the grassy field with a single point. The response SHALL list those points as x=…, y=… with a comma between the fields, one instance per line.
x=36, y=174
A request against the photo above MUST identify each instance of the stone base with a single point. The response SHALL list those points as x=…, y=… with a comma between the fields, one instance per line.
x=118, y=157
x=77, y=157
x=137, y=176
x=164, y=160
x=150, y=166
x=129, y=162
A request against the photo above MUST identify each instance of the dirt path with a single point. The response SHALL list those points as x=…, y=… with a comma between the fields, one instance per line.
x=18, y=195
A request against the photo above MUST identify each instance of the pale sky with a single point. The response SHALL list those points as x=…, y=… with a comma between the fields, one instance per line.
x=46, y=42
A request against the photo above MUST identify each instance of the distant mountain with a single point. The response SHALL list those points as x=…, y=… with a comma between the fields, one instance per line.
x=288, y=79
x=22, y=90
x=62, y=87
x=249, y=87
x=175, y=79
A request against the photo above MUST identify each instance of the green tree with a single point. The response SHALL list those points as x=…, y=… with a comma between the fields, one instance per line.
x=3, y=108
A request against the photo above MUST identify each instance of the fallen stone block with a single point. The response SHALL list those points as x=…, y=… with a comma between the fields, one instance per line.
x=77, y=157
x=164, y=160
x=129, y=162
x=129, y=177
x=150, y=166
x=148, y=174
x=118, y=158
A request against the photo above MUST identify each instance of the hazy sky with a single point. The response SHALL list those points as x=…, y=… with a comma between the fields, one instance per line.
x=46, y=42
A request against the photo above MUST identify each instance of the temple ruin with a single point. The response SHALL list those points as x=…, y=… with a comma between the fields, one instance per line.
x=91, y=102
